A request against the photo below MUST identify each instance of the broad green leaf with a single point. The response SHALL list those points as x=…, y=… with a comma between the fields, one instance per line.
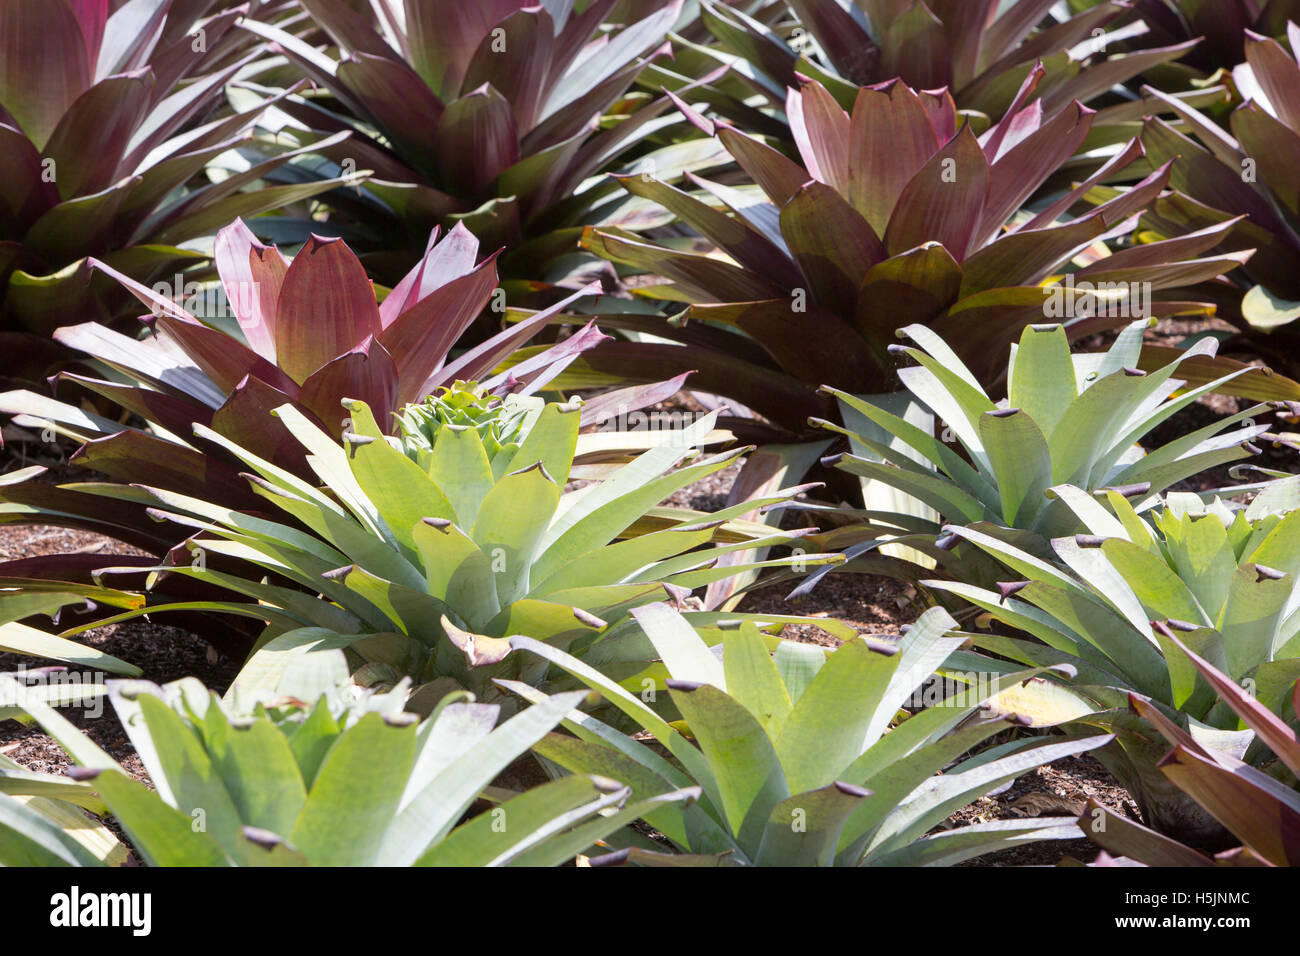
x=753, y=678
x=445, y=737
x=1265, y=311
x=511, y=524
x=179, y=759
x=27, y=838
x=493, y=837
x=20, y=639
x=590, y=757
x=938, y=493
x=892, y=781
x=355, y=794
x=683, y=653
x=431, y=813
x=619, y=561
x=1250, y=618
x=1021, y=463
x=312, y=739
x=939, y=796
x=163, y=835
x=459, y=466
x=1041, y=381
x=798, y=665
x=77, y=745
x=413, y=611
x=828, y=724
x=1091, y=512
x=552, y=439
x=947, y=460
x=330, y=463
x=804, y=829
x=1163, y=592
x=258, y=767
x=457, y=572
x=399, y=488
x=963, y=843
x=921, y=652
x=749, y=775
x=567, y=845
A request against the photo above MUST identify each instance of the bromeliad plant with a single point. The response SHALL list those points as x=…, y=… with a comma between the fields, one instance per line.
x=1123, y=602
x=448, y=555
x=1069, y=419
x=311, y=331
x=1251, y=170
x=981, y=50
x=919, y=225
x=105, y=119
x=792, y=750
x=496, y=114
x=1220, y=26
x=321, y=782
x=1258, y=805
x=308, y=332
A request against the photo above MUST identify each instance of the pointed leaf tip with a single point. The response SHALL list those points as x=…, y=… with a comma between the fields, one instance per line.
x=261, y=838
x=1161, y=628
x=1131, y=491
x=851, y=790
x=878, y=646
x=1263, y=573
x=589, y=619
x=617, y=858
x=1008, y=588
x=605, y=784
x=685, y=686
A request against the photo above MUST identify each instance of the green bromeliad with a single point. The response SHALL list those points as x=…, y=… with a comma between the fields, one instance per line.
x=426, y=567
x=792, y=749
x=340, y=779
x=1124, y=603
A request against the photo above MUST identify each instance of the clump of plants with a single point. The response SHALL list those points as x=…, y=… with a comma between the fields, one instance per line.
x=334, y=780
x=817, y=267
x=792, y=749
x=426, y=564
x=1125, y=602
x=1252, y=803
x=1068, y=419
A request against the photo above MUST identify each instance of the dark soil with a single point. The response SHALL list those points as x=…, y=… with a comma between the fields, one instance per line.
x=1059, y=789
